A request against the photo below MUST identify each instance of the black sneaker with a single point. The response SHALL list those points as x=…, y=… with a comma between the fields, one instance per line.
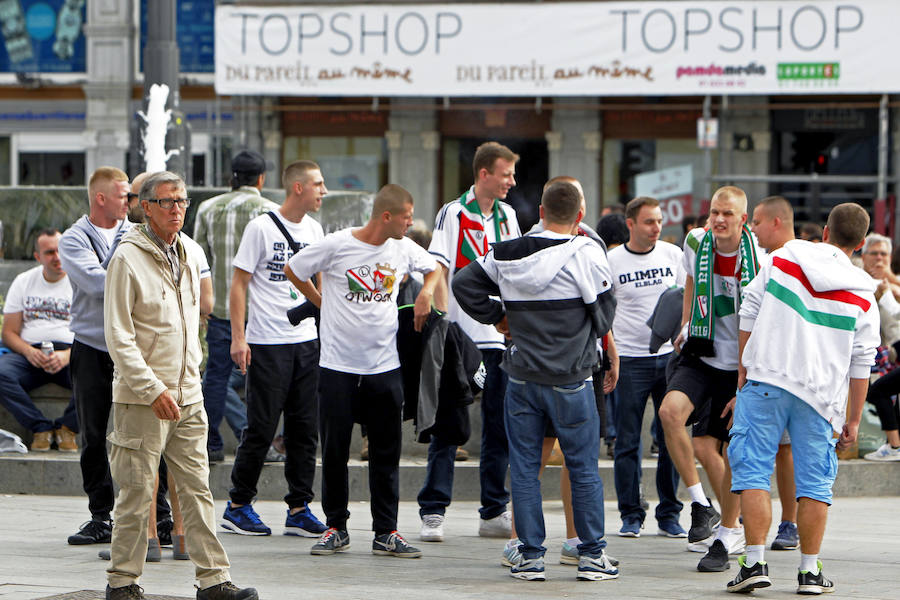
x=716, y=559
x=333, y=540
x=215, y=456
x=703, y=519
x=393, y=544
x=129, y=592
x=92, y=532
x=164, y=531
x=809, y=584
x=749, y=578
x=227, y=591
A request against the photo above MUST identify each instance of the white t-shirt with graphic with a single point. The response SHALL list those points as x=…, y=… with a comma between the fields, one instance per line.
x=445, y=246
x=45, y=306
x=726, y=288
x=264, y=251
x=639, y=279
x=359, y=298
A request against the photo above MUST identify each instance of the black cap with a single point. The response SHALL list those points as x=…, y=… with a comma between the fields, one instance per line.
x=248, y=162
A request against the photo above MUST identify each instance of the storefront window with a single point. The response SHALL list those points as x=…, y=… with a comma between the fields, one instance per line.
x=348, y=163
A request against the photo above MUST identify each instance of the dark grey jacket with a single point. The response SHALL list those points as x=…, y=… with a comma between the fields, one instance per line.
x=556, y=295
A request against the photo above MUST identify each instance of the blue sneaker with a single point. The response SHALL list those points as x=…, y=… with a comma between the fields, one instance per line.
x=529, y=569
x=671, y=528
x=244, y=521
x=303, y=523
x=631, y=528
x=787, y=538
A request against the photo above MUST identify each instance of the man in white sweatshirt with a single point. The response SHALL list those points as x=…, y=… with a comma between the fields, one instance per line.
x=808, y=333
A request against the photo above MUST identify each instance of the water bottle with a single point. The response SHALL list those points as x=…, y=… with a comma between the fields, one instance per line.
x=47, y=348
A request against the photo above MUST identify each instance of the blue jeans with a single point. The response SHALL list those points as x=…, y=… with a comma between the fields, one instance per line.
x=17, y=378
x=437, y=490
x=215, y=379
x=573, y=412
x=640, y=377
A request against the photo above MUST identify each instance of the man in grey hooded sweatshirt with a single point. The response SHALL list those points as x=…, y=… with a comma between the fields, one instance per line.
x=555, y=287
x=83, y=250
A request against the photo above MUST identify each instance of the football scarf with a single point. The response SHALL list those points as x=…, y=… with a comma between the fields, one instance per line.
x=472, y=241
x=701, y=332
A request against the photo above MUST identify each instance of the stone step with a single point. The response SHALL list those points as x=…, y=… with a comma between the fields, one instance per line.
x=55, y=473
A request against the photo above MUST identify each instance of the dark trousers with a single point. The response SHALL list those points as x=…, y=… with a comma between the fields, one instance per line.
x=437, y=489
x=880, y=394
x=280, y=378
x=375, y=401
x=17, y=378
x=215, y=378
x=91, y=372
x=640, y=377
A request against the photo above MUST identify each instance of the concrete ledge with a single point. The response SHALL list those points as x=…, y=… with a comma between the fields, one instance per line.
x=57, y=474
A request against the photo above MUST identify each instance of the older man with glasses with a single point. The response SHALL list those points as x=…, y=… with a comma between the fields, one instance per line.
x=152, y=315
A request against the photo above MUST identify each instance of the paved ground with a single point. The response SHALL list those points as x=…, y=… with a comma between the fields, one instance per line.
x=860, y=553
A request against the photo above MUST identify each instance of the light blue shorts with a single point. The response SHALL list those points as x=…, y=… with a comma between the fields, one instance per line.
x=761, y=415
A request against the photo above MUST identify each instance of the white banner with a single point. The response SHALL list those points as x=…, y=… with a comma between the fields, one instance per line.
x=559, y=49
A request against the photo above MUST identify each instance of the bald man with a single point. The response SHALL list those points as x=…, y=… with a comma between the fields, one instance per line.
x=773, y=225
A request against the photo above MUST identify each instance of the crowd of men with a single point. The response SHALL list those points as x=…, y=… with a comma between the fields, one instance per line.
x=752, y=338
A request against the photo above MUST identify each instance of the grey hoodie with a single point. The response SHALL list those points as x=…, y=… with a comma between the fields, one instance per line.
x=83, y=252
x=556, y=295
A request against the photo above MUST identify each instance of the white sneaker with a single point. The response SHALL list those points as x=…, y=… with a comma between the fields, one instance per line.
x=703, y=545
x=884, y=454
x=498, y=527
x=432, y=528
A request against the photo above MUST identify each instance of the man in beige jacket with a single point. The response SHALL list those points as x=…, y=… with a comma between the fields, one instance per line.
x=152, y=317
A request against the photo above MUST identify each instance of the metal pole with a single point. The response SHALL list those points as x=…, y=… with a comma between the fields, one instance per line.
x=161, y=67
x=883, y=123
x=707, y=160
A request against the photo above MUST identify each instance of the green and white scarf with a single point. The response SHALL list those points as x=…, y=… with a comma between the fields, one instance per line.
x=701, y=331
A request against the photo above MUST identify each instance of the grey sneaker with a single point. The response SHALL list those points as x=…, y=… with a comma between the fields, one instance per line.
x=569, y=556
x=333, y=540
x=596, y=568
x=529, y=569
x=393, y=544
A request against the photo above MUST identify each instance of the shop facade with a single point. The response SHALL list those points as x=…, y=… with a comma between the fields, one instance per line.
x=797, y=96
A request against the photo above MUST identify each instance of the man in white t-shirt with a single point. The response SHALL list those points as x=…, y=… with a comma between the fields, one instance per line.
x=719, y=263
x=37, y=310
x=359, y=377
x=643, y=268
x=463, y=231
x=281, y=361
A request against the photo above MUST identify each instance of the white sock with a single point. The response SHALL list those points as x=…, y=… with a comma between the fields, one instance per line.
x=810, y=563
x=723, y=533
x=755, y=554
x=697, y=495
x=573, y=541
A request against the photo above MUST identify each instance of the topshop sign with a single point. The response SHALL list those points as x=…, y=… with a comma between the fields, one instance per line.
x=558, y=49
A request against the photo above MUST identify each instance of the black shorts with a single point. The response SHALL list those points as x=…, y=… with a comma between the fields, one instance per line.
x=709, y=390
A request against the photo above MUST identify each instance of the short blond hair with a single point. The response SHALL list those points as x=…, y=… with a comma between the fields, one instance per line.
x=104, y=175
x=735, y=193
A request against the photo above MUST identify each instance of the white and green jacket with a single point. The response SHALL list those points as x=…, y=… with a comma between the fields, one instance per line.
x=814, y=325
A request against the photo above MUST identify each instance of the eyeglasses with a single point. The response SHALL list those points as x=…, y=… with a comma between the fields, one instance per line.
x=168, y=203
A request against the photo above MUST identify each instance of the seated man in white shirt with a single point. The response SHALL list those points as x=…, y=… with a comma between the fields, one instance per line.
x=37, y=311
